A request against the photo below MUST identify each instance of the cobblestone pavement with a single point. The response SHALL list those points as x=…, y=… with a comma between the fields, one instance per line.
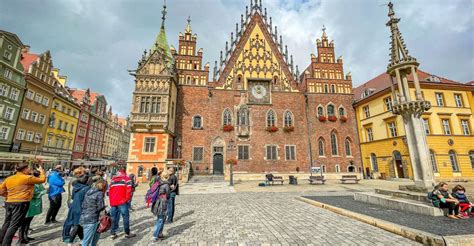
x=206, y=188
x=237, y=219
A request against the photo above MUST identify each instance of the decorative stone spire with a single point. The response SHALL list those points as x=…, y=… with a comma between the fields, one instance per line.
x=161, y=41
x=163, y=12
x=398, y=50
x=325, y=36
x=188, y=26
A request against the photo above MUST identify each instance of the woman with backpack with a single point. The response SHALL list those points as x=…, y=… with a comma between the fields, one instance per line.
x=159, y=206
x=92, y=206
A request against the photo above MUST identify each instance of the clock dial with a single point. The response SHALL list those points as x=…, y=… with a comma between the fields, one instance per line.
x=259, y=91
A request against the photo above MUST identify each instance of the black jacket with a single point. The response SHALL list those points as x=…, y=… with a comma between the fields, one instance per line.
x=173, y=182
x=92, y=205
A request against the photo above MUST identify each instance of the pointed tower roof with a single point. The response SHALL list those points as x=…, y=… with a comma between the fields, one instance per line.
x=399, y=54
x=188, y=26
x=161, y=41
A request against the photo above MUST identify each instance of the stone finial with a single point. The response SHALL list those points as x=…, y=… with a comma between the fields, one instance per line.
x=236, y=30
x=188, y=26
x=276, y=31
x=271, y=24
x=292, y=64
x=286, y=53
x=215, y=71
x=265, y=15
x=222, y=58
x=231, y=39
x=281, y=43
x=324, y=33
x=163, y=12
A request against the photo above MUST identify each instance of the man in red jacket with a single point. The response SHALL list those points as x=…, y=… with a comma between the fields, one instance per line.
x=120, y=192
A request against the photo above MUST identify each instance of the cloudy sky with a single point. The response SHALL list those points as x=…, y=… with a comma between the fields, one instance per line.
x=95, y=42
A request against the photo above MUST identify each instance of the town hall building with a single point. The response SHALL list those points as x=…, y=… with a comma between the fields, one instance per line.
x=254, y=106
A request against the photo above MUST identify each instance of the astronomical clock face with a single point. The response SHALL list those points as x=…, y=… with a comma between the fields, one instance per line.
x=259, y=92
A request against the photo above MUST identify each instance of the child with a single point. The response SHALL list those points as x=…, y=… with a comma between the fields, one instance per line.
x=464, y=204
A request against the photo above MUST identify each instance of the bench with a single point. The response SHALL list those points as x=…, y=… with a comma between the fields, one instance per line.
x=352, y=178
x=316, y=180
x=274, y=179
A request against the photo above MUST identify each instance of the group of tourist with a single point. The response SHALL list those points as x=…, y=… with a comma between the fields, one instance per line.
x=456, y=202
x=86, y=202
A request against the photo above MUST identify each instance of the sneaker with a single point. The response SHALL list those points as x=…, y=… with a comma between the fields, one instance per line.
x=54, y=221
x=114, y=236
x=154, y=240
x=160, y=236
x=130, y=235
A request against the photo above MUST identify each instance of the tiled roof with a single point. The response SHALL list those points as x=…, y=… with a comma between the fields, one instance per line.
x=80, y=93
x=382, y=82
x=27, y=59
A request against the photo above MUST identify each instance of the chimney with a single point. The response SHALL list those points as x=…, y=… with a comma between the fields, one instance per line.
x=25, y=49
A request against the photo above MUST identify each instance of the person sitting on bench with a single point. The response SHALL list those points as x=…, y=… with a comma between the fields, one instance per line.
x=269, y=177
x=465, y=206
x=442, y=199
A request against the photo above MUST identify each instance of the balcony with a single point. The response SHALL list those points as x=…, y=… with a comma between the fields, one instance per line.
x=148, y=118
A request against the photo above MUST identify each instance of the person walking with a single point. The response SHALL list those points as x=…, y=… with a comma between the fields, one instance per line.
x=120, y=192
x=133, y=179
x=92, y=206
x=174, y=186
x=72, y=227
x=56, y=183
x=18, y=191
x=35, y=208
x=159, y=207
x=154, y=176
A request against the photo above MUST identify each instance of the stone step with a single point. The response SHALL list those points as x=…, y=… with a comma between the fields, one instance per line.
x=398, y=203
x=206, y=179
x=409, y=195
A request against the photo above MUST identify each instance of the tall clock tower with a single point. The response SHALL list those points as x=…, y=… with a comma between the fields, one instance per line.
x=153, y=108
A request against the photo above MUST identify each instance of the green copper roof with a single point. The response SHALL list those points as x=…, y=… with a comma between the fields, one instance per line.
x=162, y=43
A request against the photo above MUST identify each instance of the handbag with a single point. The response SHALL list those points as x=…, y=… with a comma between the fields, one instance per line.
x=105, y=222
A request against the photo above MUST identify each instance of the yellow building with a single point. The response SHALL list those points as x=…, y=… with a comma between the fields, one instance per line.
x=61, y=131
x=448, y=125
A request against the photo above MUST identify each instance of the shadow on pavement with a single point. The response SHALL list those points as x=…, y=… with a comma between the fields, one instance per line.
x=183, y=215
x=174, y=231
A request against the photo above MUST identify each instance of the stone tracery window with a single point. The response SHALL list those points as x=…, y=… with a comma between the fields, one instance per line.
x=321, y=147
x=227, y=117
x=288, y=119
x=243, y=117
x=330, y=109
x=342, y=111
x=271, y=119
x=334, y=143
x=320, y=111
x=347, y=146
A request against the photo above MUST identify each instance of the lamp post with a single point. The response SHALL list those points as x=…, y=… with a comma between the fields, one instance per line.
x=231, y=168
x=36, y=145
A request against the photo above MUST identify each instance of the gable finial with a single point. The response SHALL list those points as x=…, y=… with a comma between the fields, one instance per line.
x=188, y=26
x=324, y=32
x=163, y=12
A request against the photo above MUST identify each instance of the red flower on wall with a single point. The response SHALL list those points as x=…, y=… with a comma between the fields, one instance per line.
x=322, y=118
x=231, y=161
x=288, y=128
x=272, y=129
x=228, y=128
x=332, y=118
x=343, y=118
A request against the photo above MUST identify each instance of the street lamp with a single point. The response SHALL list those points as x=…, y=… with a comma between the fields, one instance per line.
x=38, y=138
x=231, y=170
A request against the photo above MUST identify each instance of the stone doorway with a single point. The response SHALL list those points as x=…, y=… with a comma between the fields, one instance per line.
x=398, y=161
x=218, y=164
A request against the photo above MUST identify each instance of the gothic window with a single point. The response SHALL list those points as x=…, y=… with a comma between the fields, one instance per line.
x=330, y=110
x=326, y=88
x=271, y=121
x=197, y=122
x=334, y=144
x=188, y=80
x=275, y=79
x=373, y=160
x=320, y=111
x=342, y=111
x=321, y=147
x=288, y=119
x=454, y=160
x=347, y=145
x=333, y=89
x=243, y=117
x=239, y=79
x=227, y=117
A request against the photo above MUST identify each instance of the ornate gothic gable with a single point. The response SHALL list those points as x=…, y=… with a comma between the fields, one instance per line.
x=255, y=54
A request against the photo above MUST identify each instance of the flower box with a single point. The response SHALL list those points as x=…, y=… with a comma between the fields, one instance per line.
x=272, y=129
x=343, y=118
x=228, y=128
x=231, y=162
x=288, y=128
x=322, y=118
x=332, y=118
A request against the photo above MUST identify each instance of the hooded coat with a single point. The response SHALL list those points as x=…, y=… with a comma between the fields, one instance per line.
x=92, y=205
x=79, y=190
x=159, y=207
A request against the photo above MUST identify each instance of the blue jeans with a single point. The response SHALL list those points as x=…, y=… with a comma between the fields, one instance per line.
x=115, y=213
x=91, y=236
x=67, y=226
x=170, y=207
x=160, y=224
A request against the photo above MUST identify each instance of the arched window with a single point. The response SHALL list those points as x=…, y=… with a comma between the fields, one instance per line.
x=227, y=117
x=197, y=122
x=373, y=160
x=330, y=110
x=321, y=147
x=271, y=121
x=140, y=171
x=326, y=88
x=334, y=144
x=239, y=79
x=333, y=89
x=471, y=157
x=342, y=112
x=288, y=119
x=243, y=117
x=434, y=166
x=347, y=145
x=338, y=169
x=275, y=79
x=454, y=161
x=320, y=111
x=188, y=80
x=351, y=169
